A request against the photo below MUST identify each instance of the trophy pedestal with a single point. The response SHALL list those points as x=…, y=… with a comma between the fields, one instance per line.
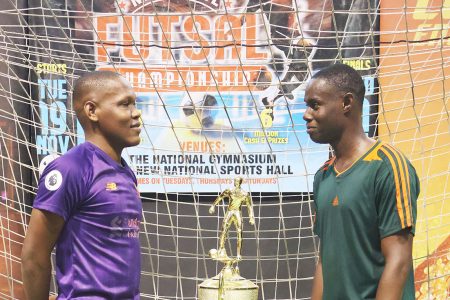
x=228, y=285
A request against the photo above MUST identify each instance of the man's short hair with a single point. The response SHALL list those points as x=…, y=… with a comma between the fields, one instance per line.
x=344, y=78
x=87, y=83
x=91, y=80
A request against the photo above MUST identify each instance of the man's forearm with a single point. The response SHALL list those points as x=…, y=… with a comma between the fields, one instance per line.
x=393, y=280
x=249, y=205
x=317, y=290
x=36, y=279
x=218, y=199
x=250, y=212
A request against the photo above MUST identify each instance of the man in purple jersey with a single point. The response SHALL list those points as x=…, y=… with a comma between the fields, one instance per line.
x=87, y=203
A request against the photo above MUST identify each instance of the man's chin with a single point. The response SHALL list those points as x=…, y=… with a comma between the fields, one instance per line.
x=317, y=139
x=134, y=142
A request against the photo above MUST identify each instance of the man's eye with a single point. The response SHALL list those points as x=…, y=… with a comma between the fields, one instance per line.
x=313, y=105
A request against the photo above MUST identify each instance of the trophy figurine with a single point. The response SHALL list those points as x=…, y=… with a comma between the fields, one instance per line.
x=228, y=284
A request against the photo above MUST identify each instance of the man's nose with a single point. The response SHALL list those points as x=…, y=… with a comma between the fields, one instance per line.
x=136, y=113
x=307, y=114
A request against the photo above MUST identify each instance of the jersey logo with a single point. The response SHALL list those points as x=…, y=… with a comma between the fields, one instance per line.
x=335, y=201
x=53, y=180
x=116, y=227
x=373, y=155
x=45, y=161
x=111, y=186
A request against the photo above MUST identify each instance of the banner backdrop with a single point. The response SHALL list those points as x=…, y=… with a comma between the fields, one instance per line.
x=421, y=133
x=220, y=84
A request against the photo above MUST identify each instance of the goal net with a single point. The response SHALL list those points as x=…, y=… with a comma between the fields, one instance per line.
x=220, y=85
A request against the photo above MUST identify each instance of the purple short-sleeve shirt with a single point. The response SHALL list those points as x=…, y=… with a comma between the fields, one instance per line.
x=98, y=250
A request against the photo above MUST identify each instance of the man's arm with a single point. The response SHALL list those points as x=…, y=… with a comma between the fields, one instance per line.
x=42, y=234
x=397, y=251
x=249, y=205
x=218, y=199
x=317, y=289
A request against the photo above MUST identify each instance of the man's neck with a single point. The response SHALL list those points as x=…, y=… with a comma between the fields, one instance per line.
x=351, y=148
x=106, y=147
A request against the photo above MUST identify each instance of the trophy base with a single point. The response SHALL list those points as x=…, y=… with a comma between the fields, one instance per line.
x=234, y=287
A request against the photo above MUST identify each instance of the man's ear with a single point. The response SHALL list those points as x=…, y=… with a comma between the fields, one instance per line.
x=348, y=101
x=90, y=109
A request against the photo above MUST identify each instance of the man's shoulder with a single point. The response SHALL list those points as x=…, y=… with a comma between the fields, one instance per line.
x=392, y=162
x=64, y=182
x=75, y=160
x=391, y=156
x=82, y=151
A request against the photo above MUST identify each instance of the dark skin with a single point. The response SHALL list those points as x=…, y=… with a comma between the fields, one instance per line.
x=334, y=117
x=43, y=232
x=110, y=120
x=109, y=117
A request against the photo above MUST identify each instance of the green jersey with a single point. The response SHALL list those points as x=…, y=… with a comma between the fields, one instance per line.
x=376, y=197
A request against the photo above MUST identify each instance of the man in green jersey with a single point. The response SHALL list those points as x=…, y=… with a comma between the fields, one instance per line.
x=365, y=197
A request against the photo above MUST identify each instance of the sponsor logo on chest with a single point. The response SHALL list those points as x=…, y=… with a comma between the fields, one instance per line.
x=111, y=186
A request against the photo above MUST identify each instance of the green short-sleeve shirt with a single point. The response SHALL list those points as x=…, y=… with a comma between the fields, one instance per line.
x=375, y=198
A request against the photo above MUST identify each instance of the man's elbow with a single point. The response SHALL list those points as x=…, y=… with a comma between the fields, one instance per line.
x=33, y=264
x=406, y=265
x=400, y=264
x=27, y=262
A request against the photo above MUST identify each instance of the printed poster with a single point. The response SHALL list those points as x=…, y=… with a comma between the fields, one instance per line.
x=220, y=85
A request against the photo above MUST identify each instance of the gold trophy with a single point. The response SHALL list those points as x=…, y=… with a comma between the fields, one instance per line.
x=228, y=284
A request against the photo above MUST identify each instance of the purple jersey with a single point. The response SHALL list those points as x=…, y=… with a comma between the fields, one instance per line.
x=98, y=251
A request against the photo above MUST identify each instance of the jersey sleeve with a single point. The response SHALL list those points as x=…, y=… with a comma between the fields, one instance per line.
x=60, y=189
x=397, y=190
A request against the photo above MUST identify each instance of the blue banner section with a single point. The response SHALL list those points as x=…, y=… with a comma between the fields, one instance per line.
x=189, y=146
x=54, y=137
x=198, y=141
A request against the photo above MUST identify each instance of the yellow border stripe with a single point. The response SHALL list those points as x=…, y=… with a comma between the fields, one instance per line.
x=405, y=184
x=373, y=155
x=397, y=187
x=403, y=175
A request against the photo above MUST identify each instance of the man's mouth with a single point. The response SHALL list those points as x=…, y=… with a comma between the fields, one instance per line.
x=136, y=126
x=310, y=129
